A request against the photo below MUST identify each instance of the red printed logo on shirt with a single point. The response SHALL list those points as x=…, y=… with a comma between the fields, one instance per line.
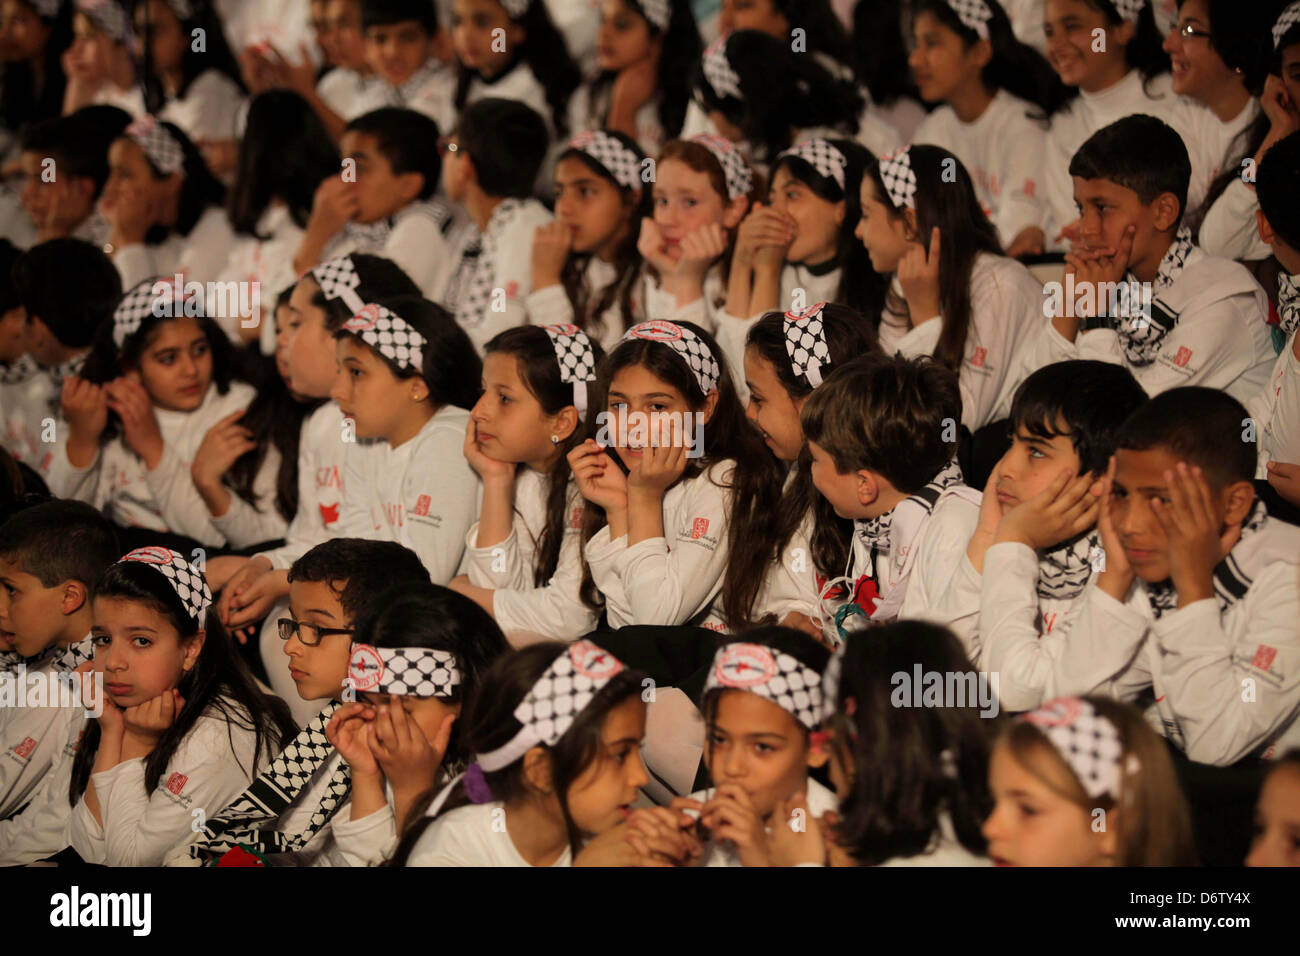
x=575, y=520
x=176, y=783
x=47, y=461
x=978, y=358
x=1030, y=188
x=329, y=513
x=1183, y=357
x=1264, y=656
x=512, y=290
x=422, y=504
x=25, y=748
x=700, y=527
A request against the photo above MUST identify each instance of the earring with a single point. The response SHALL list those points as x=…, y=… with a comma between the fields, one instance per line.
x=555, y=439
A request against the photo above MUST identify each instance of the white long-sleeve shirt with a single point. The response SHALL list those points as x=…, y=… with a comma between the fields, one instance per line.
x=413, y=239
x=207, y=111
x=164, y=499
x=525, y=612
x=1230, y=228
x=472, y=835
x=551, y=306
x=1276, y=411
x=28, y=403
x=211, y=766
x=676, y=578
x=348, y=93
x=1226, y=683
x=200, y=255
x=422, y=494
x=1214, y=144
x=41, y=828
x=322, y=455
x=268, y=262
x=1002, y=151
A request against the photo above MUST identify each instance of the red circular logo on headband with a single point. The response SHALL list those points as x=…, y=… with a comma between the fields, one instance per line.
x=365, y=319
x=564, y=329
x=154, y=554
x=745, y=665
x=594, y=662
x=658, y=331
x=365, y=667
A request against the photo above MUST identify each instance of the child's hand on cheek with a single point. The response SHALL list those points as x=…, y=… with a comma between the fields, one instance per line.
x=796, y=835
x=333, y=207
x=598, y=477
x=112, y=721
x=85, y=406
x=489, y=469
x=348, y=731
x=1118, y=575
x=701, y=248
x=551, y=244
x=127, y=397
x=731, y=816
x=918, y=275
x=662, y=462
x=148, y=721
x=409, y=760
x=1090, y=266
x=1193, y=534
x=1062, y=510
x=990, y=517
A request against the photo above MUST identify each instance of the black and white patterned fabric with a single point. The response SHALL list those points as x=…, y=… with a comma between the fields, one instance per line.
x=186, y=580
x=107, y=17
x=471, y=286
x=15, y=373
x=698, y=356
x=338, y=279
x=181, y=8
x=401, y=96
x=974, y=15
x=1130, y=9
x=718, y=71
x=1064, y=571
x=560, y=694
x=831, y=679
x=1141, y=332
x=1288, y=303
x=822, y=156
x=404, y=671
x=388, y=334
x=739, y=177
x=71, y=367
x=621, y=163
x=899, y=178
x=577, y=361
x=164, y=152
x=516, y=8
x=1289, y=18
x=1087, y=741
x=805, y=342
x=245, y=820
x=771, y=674
x=139, y=304
x=876, y=532
x=1232, y=576
x=74, y=655
x=658, y=12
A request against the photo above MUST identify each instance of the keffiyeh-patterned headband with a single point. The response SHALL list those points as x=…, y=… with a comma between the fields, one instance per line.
x=1088, y=741
x=186, y=580
x=577, y=361
x=162, y=148
x=805, y=342
x=899, y=178
x=974, y=15
x=774, y=675
x=404, y=671
x=698, y=356
x=338, y=279
x=719, y=72
x=1289, y=18
x=609, y=151
x=107, y=17
x=516, y=8
x=822, y=156
x=658, y=12
x=388, y=334
x=1130, y=10
x=152, y=298
x=560, y=694
x=734, y=168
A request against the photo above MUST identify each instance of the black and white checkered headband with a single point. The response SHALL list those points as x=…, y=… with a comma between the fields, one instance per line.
x=822, y=156
x=974, y=14
x=107, y=17
x=1289, y=18
x=899, y=178
x=388, y=334
x=164, y=152
x=805, y=342
x=658, y=12
x=698, y=357
x=338, y=279
x=404, y=671
x=784, y=680
x=516, y=8
x=560, y=694
x=831, y=679
x=186, y=580
x=619, y=161
x=577, y=361
x=150, y=298
x=719, y=71
x=1088, y=741
x=734, y=168
x=1130, y=10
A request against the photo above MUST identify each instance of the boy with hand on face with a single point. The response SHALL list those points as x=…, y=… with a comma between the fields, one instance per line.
x=1201, y=589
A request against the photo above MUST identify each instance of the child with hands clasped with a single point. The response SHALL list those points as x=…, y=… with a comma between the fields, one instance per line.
x=184, y=726
x=551, y=790
x=1200, y=592
x=523, y=557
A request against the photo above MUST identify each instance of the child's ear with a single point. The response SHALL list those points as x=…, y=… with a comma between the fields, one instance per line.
x=74, y=597
x=192, y=651
x=710, y=403
x=981, y=53
x=565, y=423
x=1238, y=498
x=1123, y=33
x=910, y=231
x=172, y=185
x=516, y=36
x=868, y=487
x=1166, y=211
x=1109, y=833
x=841, y=210
x=419, y=389
x=537, y=769
x=735, y=211
x=409, y=186
x=1266, y=234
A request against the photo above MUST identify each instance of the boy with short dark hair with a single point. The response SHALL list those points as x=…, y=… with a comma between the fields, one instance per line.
x=492, y=164
x=402, y=43
x=382, y=202
x=1201, y=589
x=1037, y=545
x=1205, y=321
x=50, y=556
x=882, y=432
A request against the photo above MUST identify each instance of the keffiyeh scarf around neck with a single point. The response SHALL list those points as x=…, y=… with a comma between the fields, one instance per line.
x=471, y=285
x=1288, y=303
x=15, y=373
x=1141, y=335
x=1064, y=571
x=1234, y=574
x=877, y=532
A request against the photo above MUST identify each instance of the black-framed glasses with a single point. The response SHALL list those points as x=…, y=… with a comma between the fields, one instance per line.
x=308, y=634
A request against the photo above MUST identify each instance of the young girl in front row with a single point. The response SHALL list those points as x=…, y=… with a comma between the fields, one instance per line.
x=954, y=295
x=524, y=555
x=655, y=534
x=1277, y=816
x=1085, y=781
x=407, y=376
x=557, y=732
x=586, y=268
x=184, y=726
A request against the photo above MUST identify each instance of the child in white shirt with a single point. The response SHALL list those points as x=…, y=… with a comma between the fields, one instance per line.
x=65, y=165
x=98, y=63
x=401, y=41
